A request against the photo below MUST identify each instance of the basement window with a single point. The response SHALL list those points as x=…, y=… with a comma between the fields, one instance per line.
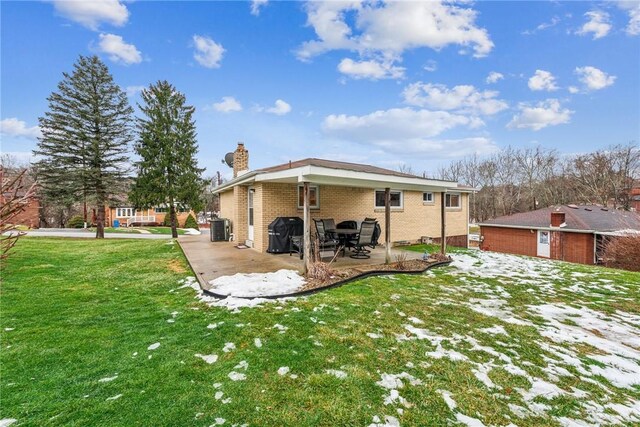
x=394, y=202
x=314, y=197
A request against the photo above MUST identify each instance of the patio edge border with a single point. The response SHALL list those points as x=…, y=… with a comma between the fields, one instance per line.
x=332, y=285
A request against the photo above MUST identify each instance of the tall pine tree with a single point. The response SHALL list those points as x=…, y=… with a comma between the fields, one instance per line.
x=85, y=137
x=167, y=172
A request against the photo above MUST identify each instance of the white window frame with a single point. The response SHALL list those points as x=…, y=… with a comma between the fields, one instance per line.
x=375, y=206
x=447, y=200
x=125, y=212
x=430, y=200
x=311, y=187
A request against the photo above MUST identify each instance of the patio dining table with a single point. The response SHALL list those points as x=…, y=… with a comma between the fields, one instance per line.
x=344, y=234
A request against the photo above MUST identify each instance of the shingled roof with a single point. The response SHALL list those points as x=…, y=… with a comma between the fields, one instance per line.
x=577, y=217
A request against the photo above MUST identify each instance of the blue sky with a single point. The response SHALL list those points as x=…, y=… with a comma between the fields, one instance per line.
x=384, y=83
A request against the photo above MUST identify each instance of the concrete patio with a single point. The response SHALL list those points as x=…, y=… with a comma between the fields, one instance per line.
x=211, y=260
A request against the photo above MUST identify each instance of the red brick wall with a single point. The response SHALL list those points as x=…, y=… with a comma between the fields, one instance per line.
x=578, y=247
x=571, y=247
x=30, y=216
x=509, y=240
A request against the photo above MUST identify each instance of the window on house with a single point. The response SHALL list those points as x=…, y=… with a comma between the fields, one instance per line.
x=314, y=197
x=125, y=212
x=427, y=197
x=395, y=199
x=452, y=200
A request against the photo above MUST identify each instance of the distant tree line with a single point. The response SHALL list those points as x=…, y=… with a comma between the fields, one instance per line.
x=522, y=179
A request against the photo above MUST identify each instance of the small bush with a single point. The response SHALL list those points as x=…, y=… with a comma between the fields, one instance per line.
x=76, y=222
x=623, y=252
x=191, y=222
x=401, y=261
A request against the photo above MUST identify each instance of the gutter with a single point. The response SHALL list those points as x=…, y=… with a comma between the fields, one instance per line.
x=235, y=181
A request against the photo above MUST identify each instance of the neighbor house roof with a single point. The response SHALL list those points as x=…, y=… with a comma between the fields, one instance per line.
x=591, y=218
x=331, y=172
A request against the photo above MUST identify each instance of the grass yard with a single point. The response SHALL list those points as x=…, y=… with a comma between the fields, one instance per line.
x=136, y=230
x=102, y=333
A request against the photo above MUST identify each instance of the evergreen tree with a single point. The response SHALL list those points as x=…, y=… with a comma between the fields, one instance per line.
x=168, y=171
x=85, y=137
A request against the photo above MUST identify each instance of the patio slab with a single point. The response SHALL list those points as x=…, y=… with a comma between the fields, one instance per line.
x=210, y=260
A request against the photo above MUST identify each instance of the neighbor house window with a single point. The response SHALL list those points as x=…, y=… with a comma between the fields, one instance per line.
x=125, y=212
x=427, y=197
x=395, y=199
x=452, y=200
x=314, y=197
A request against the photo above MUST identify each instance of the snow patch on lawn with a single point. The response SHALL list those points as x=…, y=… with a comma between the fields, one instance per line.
x=469, y=421
x=257, y=342
x=6, y=422
x=389, y=421
x=153, y=346
x=107, y=379
x=446, y=396
x=374, y=335
x=116, y=397
x=209, y=358
x=236, y=376
x=258, y=284
x=283, y=370
x=337, y=373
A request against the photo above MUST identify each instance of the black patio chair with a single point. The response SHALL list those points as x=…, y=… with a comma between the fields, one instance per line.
x=364, y=239
x=329, y=224
x=324, y=241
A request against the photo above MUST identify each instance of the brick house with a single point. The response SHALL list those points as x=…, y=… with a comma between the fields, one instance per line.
x=126, y=215
x=569, y=233
x=342, y=191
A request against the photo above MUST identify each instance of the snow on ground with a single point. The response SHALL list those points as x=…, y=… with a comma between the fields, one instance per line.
x=231, y=303
x=153, y=346
x=337, y=373
x=107, y=379
x=258, y=284
x=192, y=231
x=6, y=422
x=209, y=358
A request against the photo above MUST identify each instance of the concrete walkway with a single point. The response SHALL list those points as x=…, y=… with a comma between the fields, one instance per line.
x=62, y=232
x=211, y=260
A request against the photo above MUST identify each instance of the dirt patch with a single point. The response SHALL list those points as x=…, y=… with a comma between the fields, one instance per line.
x=347, y=273
x=176, y=266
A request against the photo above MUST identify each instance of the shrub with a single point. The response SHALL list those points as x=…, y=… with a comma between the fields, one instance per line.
x=191, y=222
x=623, y=252
x=401, y=261
x=76, y=222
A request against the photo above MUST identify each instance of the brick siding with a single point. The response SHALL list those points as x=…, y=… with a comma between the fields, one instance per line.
x=271, y=200
x=571, y=247
x=30, y=216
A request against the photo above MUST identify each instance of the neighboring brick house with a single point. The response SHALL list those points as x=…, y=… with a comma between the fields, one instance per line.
x=342, y=191
x=635, y=199
x=30, y=215
x=126, y=215
x=569, y=233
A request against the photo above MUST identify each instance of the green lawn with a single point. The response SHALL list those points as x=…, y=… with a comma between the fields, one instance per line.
x=79, y=317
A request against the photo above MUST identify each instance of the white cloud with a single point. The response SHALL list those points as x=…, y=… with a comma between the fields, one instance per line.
x=632, y=7
x=554, y=21
x=573, y=89
x=373, y=70
x=18, y=128
x=493, y=77
x=227, y=105
x=539, y=116
x=208, y=53
x=280, y=108
x=431, y=65
x=597, y=23
x=118, y=50
x=256, y=5
x=395, y=124
x=384, y=30
x=593, y=78
x=463, y=98
x=542, y=80
x=134, y=90
x=92, y=13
